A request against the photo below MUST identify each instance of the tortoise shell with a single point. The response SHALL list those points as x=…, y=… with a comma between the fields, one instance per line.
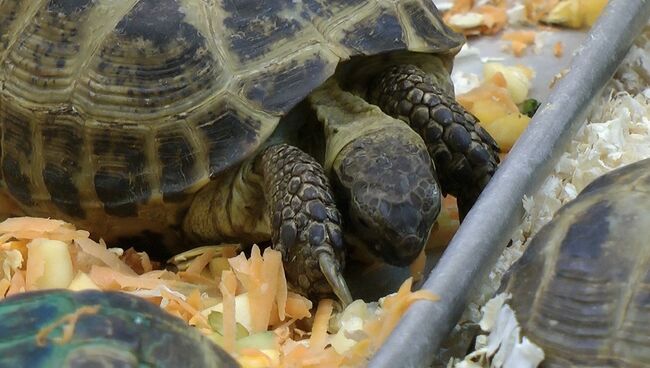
x=122, y=109
x=111, y=329
x=581, y=290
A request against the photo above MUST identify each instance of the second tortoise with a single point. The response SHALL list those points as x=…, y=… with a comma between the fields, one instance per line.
x=581, y=291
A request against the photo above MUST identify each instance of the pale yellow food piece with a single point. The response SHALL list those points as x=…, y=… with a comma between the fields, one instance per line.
x=575, y=13
x=518, y=82
x=82, y=282
x=218, y=265
x=242, y=310
x=266, y=358
x=488, y=111
x=48, y=264
x=507, y=129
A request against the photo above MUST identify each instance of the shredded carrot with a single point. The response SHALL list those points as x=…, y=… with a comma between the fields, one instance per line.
x=138, y=261
x=200, y=262
x=396, y=305
x=281, y=296
x=189, y=293
x=461, y=6
x=538, y=9
x=100, y=252
x=17, y=283
x=318, y=339
x=495, y=18
x=519, y=41
x=68, y=321
x=527, y=37
x=199, y=279
x=558, y=49
x=194, y=299
x=34, y=227
x=298, y=306
x=270, y=271
x=228, y=287
x=34, y=270
x=4, y=286
x=200, y=319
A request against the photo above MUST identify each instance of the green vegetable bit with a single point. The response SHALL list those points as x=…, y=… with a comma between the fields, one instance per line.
x=215, y=319
x=529, y=107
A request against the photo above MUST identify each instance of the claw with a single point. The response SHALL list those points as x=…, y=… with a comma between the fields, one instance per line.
x=329, y=267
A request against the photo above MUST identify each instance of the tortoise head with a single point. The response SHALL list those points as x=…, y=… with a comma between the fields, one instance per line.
x=389, y=194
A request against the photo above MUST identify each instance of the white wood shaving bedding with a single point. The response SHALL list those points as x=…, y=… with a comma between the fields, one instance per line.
x=616, y=133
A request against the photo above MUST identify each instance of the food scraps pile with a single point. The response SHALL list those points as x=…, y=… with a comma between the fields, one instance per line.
x=243, y=304
x=520, y=22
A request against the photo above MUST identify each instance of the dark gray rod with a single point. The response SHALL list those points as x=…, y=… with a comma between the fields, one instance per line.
x=486, y=230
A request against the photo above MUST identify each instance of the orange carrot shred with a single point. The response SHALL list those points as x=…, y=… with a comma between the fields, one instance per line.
x=558, y=49
x=200, y=262
x=17, y=283
x=318, y=339
x=68, y=321
x=228, y=288
x=4, y=286
x=298, y=307
x=281, y=296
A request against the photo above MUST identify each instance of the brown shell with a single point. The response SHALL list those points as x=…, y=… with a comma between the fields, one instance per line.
x=582, y=289
x=117, y=109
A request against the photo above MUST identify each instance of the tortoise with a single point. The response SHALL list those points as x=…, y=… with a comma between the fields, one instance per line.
x=179, y=123
x=581, y=290
x=108, y=329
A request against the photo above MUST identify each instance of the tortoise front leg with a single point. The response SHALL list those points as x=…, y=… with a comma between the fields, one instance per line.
x=281, y=194
x=465, y=155
x=305, y=223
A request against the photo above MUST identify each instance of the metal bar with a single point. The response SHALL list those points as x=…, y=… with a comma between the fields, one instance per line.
x=482, y=237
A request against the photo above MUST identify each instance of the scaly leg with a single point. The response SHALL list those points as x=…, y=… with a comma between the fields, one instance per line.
x=305, y=223
x=281, y=194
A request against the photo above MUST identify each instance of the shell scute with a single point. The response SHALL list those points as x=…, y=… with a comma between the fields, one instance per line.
x=255, y=27
x=427, y=25
x=68, y=7
x=48, y=52
x=10, y=12
x=62, y=164
x=121, y=178
x=154, y=63
x=291, y=80
x=17, y=153
x=379, y=32
x=179, y=158
x=230, y=130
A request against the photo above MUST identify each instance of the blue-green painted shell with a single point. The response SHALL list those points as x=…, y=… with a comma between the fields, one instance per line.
x=123, y=331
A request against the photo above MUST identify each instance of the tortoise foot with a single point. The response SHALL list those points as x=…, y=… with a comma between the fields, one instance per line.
x=464, y=153
x=305, y=223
